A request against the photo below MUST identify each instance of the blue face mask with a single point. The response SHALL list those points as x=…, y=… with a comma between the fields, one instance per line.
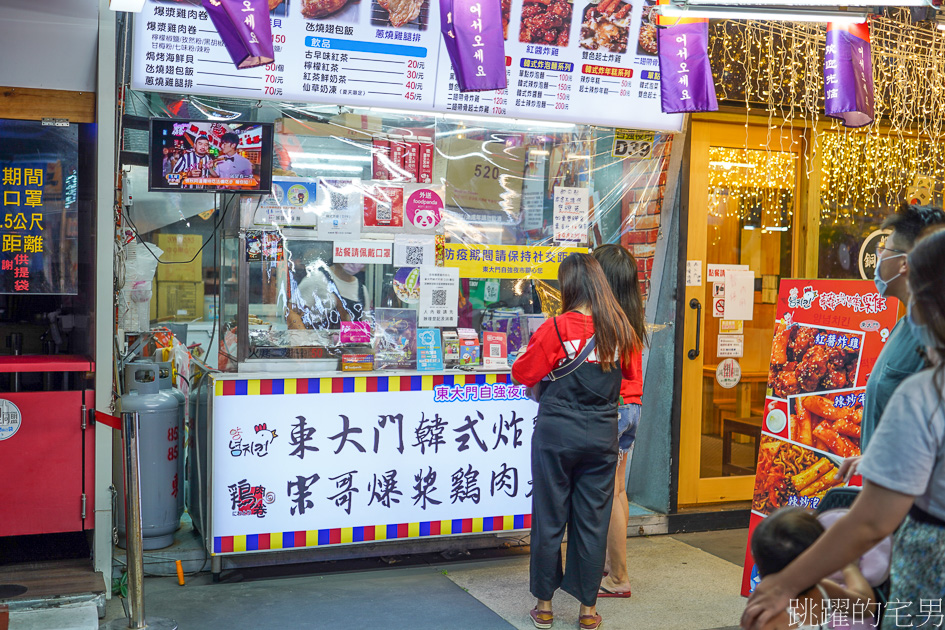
x=920, y=331
x=883, y=285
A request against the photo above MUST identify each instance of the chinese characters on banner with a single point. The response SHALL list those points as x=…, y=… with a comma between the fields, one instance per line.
x=367, y=252
x=848, y=74
x=507, y=261
x=39, y=225
x=827, y=336
x=417, y=457
x=571, y=208
x=686, y=83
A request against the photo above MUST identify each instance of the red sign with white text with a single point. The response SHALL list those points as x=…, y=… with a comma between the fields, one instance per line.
x=827, y=336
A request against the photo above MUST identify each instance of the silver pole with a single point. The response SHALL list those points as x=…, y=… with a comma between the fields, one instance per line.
x=130, y=426
x=133, y=545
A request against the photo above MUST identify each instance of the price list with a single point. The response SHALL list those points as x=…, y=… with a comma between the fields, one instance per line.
x=360, y=58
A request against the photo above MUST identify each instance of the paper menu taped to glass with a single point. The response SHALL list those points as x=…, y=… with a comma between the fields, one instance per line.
x=739, y=294
x=571, y=207
x=414, y=251
x=439, y=296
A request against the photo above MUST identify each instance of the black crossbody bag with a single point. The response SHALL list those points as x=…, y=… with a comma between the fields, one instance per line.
x=534, y=392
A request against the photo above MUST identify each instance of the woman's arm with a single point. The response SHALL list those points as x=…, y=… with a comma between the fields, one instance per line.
x=874, y=515
x=542, y=354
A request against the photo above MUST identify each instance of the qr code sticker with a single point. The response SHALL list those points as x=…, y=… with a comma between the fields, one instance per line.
x=415, y=256
x=495, y=351
x=439, y=297
x=339, y=201
x=385, y=211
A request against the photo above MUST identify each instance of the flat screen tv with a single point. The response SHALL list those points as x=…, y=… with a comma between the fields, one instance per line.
x=209, y=156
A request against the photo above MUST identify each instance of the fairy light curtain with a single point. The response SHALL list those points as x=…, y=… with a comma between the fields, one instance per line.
x=778, y=67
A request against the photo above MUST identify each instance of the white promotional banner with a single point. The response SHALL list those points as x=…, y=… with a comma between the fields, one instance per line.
x=599, y=66
x=433, y=455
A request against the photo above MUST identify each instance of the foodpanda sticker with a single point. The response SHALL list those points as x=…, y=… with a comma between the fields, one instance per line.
x=10, y=419
x=424, y=208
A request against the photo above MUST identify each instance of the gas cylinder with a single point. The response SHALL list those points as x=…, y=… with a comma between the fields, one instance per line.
x=166, y=379
x=159, y=450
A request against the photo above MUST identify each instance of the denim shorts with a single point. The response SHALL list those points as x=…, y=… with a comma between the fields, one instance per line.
x=628, y=417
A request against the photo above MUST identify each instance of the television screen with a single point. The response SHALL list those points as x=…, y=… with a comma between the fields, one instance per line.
x=207, y=156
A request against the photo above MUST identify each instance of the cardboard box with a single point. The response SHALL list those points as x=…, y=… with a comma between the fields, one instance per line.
x=179, y=300
x=179, y=248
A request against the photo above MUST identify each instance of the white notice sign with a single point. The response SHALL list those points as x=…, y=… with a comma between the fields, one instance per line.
x=731, y=346
x=693, y=273
x=739, y=295
x=439, y=296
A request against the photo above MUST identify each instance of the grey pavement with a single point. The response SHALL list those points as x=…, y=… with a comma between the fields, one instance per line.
x=683, y=582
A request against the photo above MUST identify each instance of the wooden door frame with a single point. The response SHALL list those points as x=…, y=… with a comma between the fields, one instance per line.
x=691, y=488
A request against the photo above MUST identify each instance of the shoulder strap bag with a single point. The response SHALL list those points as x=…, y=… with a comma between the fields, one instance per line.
x=535, y=391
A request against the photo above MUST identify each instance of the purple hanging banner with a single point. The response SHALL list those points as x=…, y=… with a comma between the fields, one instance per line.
x=848, y=74
x=244, y=27
x=686, y=83
x=472, y=31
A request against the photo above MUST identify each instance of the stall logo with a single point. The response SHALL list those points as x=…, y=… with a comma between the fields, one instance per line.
x=258, y=445
x=249, y=500
x=806, y=301
x=870, y=303
x=470, y=393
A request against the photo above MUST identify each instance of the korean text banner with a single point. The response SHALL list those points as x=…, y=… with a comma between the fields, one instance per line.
x=827, y=336
x=422, y=456
x=848, y=74
x=686, y=83
x=39, y=188
x=580, y=62
x=507, y=261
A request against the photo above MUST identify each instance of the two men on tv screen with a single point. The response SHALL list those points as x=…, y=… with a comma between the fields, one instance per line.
x=229, y=164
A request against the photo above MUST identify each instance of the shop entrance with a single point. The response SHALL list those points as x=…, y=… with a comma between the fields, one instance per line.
x=743, y=202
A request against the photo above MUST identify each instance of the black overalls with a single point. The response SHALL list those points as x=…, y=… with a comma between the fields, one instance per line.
x=574, y=459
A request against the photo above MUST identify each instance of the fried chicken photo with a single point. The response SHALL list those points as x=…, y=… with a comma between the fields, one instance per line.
x=401, y=11
x=312, y=9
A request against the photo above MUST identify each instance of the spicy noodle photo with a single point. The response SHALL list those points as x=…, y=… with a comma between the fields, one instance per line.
x=789, y=474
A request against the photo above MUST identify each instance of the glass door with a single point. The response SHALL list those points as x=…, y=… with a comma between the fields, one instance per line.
x=742, y=205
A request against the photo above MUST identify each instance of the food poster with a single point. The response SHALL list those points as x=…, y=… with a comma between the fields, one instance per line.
x=827, y=337
x=582, y=61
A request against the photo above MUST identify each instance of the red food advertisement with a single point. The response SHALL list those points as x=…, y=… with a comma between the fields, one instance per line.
x=425, y=167
x=827, y=336
x=411, y=160
x=397, y=150
x=381, y=157
x=384, y=206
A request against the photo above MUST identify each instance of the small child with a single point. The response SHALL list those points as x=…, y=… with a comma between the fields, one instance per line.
x=781, y=538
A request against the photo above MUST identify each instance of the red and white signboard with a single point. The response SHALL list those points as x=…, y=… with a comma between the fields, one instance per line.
x=827, y=336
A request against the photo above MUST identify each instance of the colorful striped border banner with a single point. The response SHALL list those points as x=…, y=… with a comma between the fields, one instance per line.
x=368, y=533
x=350, y=384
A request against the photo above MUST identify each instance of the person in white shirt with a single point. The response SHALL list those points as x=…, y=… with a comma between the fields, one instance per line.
x=231, y=164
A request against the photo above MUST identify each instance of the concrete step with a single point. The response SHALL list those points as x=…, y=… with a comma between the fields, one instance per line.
x=72, y=617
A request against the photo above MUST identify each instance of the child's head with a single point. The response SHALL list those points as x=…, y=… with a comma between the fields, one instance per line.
x=782, y=537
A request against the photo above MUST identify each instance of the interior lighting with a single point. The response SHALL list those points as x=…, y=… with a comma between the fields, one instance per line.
x=719, y=12
x=331, y=157
x=131, y=6
x=731, y=164
x=340, y=168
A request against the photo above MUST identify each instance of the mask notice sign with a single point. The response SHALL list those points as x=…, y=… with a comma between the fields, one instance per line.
x=10, y=419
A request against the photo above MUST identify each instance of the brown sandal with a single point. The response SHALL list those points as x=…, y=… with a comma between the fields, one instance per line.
x=590, y=622
x=543, y=619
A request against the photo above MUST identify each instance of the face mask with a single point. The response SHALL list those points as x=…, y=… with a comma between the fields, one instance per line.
x=883, y=285
x=352, y=268
x=920, y=331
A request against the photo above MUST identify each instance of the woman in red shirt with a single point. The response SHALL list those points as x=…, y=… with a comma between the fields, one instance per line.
x=574, y=446
x=620, y=268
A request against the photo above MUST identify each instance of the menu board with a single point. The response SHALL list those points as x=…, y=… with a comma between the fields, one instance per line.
x=582, y=62
x=827, y=337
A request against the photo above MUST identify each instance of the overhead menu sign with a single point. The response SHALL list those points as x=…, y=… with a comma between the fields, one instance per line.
x=585, y=62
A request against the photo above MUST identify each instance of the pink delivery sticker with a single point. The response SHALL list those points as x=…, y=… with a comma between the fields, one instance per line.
x=424, y=208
